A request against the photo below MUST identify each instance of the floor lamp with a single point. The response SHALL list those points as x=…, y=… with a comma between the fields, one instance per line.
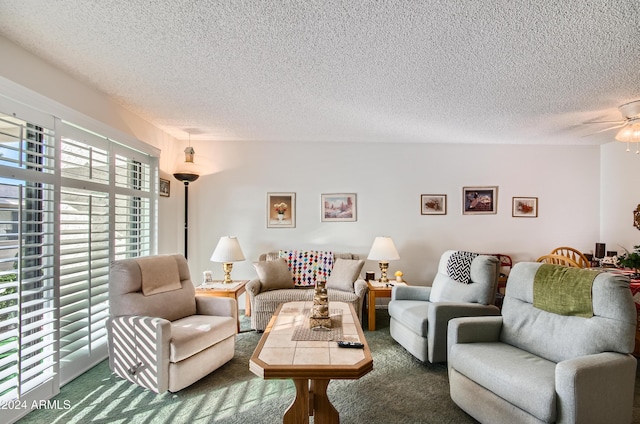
x=186, y=178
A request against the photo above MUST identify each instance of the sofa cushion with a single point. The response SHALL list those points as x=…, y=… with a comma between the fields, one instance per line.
x=196, y=333
x=159, y=274
x=522, y=379
x=126, y=298
x=412, y=313
x=558, y=337
x=344, y=273
x=273, y=274
x=269, y=301
x=480, y=289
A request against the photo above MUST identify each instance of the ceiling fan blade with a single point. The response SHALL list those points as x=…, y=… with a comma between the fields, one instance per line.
x=606, y=129
x=604, y=122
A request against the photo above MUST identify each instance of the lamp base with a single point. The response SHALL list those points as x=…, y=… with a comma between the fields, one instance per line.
x=383, y=272
x=226, y=267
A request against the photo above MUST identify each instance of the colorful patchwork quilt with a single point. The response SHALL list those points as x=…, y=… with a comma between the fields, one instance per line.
x=307, y=266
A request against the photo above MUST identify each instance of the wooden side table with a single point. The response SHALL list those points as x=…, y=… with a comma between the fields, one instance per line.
x=216, y=289
x=375, y=291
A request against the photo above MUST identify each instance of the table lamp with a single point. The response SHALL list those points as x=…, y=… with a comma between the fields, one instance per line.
x=227, y=251
x=383, y=250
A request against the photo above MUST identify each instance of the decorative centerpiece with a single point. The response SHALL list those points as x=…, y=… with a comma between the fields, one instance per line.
x=630, y=260
x=319, y=318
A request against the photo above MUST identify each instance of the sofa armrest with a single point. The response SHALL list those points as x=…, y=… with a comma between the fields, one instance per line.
x=438, y=317
x=139, y=350
x=596, y=388
x=218, y=306
x=410, y=293
x=253, y=287
x=474, y=329
x=360, y=287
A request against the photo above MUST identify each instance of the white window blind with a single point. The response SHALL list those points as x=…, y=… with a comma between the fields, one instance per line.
x=84, y=269
x=104, y=213
x=27, y=263
x=71, y=201
x=27, y=323
x=133, y=211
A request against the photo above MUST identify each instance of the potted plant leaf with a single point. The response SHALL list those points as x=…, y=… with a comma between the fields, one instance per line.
x=631, y=260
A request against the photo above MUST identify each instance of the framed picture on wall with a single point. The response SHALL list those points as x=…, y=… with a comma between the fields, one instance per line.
x=433, y=204
x=165, y=187
x=524, y=207
x=339, y=207
x=281, y=210
x=479, y=200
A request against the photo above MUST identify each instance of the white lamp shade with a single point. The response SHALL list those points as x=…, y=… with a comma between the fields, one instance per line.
x=383, y=249
x=227, y=250
x=629, y=133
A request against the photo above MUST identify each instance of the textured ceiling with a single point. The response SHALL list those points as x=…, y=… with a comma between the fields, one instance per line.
x=466, y=71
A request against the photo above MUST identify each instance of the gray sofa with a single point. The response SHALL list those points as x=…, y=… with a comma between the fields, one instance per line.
x=419, y=315
x=265, y=296
x=160, y=335
x=545, y=363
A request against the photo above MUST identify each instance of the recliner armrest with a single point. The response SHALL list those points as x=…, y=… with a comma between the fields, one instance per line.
x=139, y=350
x=596, y=388
x=410, y=293
x=218, y=306
x=438, y=317
x=474, y=329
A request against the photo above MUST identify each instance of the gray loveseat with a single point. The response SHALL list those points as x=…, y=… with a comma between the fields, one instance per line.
x=536, y=364
x=275, y=285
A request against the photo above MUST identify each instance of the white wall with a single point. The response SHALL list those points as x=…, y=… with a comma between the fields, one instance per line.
x=620, y=182
x=388, y=180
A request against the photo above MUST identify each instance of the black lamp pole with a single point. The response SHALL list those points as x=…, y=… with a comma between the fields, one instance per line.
x=186, y=178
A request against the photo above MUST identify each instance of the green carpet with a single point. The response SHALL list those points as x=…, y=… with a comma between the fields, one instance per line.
x=400, y=389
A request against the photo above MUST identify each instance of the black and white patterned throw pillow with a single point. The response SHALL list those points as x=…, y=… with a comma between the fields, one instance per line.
x=459, y=266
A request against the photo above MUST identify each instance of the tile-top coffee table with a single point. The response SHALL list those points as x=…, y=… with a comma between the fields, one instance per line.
x=310, y=363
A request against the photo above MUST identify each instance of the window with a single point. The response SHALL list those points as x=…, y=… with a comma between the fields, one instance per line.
x=105, y=199
x=27, y=262
x=71, y=201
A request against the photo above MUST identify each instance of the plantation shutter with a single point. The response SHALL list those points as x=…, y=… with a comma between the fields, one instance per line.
x=27, y=262
x=84, y=249
x=71, y=201
x=105, y=213
x=133, y=203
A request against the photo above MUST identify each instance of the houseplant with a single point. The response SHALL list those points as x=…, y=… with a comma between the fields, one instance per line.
x=631, y=260
x=280, y=208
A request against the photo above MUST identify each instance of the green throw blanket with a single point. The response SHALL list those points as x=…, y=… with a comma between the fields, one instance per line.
x=563, y=290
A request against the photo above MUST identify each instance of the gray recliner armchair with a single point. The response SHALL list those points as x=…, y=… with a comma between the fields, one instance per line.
x=160, y=335
x=560, y=352
x=465, y=285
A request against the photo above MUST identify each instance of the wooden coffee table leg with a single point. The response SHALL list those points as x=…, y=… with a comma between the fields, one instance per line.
x=323, y=411
x=298, y=411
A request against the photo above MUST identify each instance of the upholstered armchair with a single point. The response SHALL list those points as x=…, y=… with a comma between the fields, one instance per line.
x=160, y=335
x=465, y=285
x=560, y=352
